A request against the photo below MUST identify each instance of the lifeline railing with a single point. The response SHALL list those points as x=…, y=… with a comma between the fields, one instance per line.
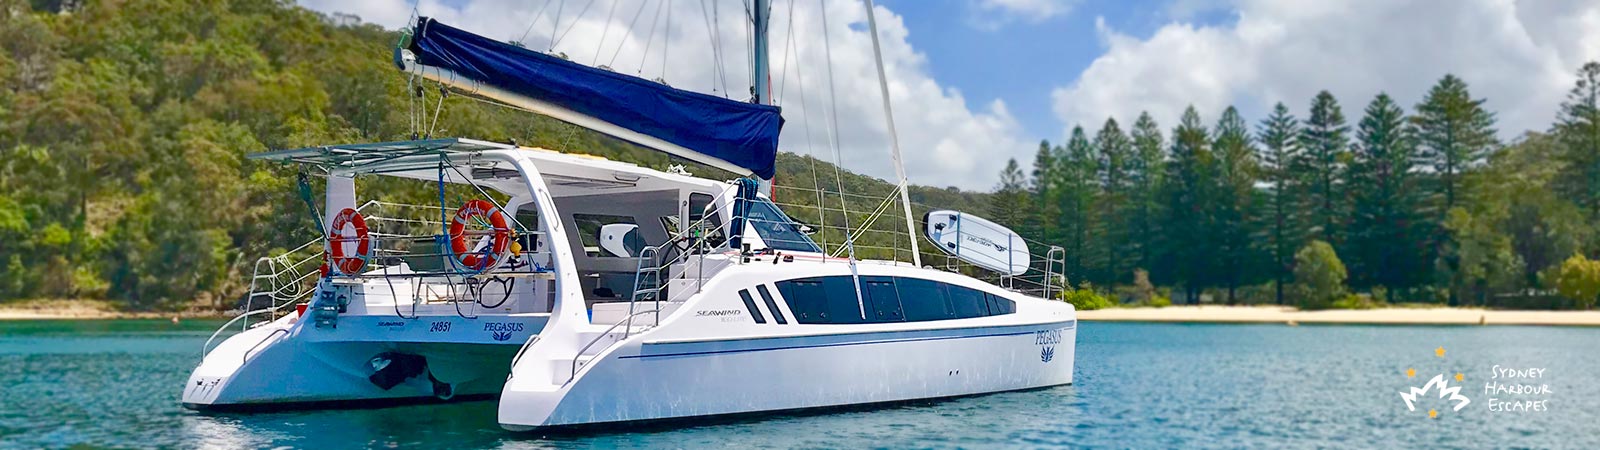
x=884, y=238
x=286, y=279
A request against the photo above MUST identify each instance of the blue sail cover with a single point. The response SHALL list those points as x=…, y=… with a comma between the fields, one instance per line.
x=740, y=133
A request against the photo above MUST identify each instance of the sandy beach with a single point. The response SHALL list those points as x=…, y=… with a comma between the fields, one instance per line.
x=68, y=309
x=1394, y=316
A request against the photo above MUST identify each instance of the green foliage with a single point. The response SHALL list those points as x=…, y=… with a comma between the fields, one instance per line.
x=1144, y=174
x=1454, y=132
x=1115, y=157
x=1319, y=275
x=1085, y=299
x=1384, y=231
x=1234, y=209
x=1325, y=139
x=1280, y=147
x=1579, y=280
x=1187, y=191
x=1356, y=301
x=123, y=126
x=1008, y=207
x=1477, y=259
x=1078, y=185
x=1578, y=129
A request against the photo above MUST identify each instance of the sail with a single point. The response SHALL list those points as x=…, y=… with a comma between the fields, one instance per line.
x=700, y=127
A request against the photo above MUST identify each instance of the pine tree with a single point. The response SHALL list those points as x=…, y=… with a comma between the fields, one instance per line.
x=1144, y=173
x=1454, y=133
x=1385, y=249
x=1324, y=140
x=1279, y=137
x=1076, y=168
x=1233, y=199
x=1578, y=128
x=1009, y=204
x=1116, y=153
x=1045, y=190
x=1185, y=194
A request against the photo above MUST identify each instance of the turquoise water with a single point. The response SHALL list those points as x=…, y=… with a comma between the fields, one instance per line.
x=116, y=384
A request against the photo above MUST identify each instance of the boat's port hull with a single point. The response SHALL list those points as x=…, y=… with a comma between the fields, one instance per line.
x=650, y=381
x=287, y=366
x=367, y=403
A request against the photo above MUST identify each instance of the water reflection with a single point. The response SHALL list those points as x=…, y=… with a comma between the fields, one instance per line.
x=103, y=384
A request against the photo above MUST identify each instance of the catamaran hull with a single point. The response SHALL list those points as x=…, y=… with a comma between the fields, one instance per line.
x=649, y=381
x=284, y=366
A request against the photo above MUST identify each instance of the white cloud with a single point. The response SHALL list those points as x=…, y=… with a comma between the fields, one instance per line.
x=945, y=141
x=1520, y=56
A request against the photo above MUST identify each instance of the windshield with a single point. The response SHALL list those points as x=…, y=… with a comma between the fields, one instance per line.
x=777, y=230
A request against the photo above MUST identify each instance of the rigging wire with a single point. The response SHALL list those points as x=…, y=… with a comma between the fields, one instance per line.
x=716, y=51
x=574, y=24
x=531, y=23
x=783, y=77
x=627, y=33
x=557, y=25
x=833, y=104
x=652, y=39
x=816, y=183
x=833, y=136
x=605, y=32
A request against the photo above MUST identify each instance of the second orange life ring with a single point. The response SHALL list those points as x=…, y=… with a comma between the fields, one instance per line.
x=479, y=210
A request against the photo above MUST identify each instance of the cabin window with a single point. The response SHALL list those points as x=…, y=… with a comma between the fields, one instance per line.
x=843, y=302
x=968, y=302
x=999, y=305
x=924, y=300
x=832, y=300
x=807, y=299
x=884, y=299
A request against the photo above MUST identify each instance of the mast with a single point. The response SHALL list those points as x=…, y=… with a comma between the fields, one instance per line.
x=761, y=85
x=894, y=138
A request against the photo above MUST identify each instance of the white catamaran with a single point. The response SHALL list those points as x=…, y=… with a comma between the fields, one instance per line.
x=585, y=291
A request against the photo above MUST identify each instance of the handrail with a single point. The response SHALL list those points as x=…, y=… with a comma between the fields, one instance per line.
x=263, y=341
x=206, y=348
x=602, y=335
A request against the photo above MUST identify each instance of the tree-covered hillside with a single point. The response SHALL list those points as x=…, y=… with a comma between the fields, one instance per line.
x=123, y=126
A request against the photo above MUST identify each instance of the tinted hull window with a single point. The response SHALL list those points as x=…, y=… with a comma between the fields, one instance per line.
x=832, y=300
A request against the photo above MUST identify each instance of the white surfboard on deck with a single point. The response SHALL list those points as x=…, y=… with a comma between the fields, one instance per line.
x=978, y=241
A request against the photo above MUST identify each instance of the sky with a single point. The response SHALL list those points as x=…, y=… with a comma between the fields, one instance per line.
x=974, y=83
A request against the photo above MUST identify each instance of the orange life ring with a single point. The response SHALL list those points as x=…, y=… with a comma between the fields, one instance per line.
x=497, y=220
x=343, y=260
